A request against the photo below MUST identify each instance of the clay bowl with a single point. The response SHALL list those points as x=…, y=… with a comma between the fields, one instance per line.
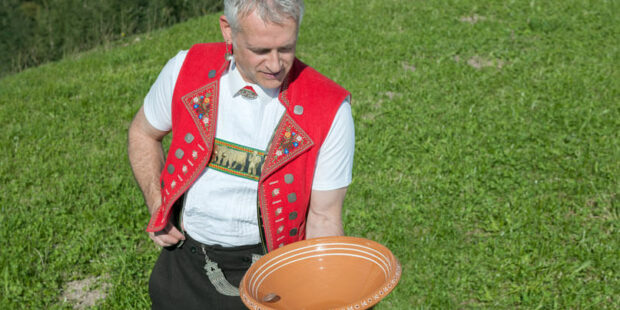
x=322, y=273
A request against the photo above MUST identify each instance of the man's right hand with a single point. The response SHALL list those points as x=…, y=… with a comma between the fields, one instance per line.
x=168, y=236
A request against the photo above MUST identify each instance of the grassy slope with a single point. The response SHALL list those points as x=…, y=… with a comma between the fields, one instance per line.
x=495, y=187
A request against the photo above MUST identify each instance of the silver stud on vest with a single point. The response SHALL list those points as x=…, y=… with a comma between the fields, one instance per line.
x=288, y=178
x=293, y=232
x=179, y=153
x=189, y=138
x=299, y=110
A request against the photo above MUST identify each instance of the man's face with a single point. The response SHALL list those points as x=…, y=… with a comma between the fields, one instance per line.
x=263, y=51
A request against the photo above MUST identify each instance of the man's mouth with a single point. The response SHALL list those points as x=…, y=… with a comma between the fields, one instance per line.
x=273, y=76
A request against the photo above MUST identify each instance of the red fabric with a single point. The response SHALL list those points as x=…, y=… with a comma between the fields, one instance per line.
x=311, y=102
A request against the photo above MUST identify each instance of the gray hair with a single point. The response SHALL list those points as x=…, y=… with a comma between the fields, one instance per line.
x=275, y=11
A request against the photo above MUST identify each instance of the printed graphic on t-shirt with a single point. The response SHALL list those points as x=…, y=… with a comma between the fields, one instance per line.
x=237, y=160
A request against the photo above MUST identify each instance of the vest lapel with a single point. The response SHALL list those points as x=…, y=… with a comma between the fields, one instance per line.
x=288, y=142
x=202, y=105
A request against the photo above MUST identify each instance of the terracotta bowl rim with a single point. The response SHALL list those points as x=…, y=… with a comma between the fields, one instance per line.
x=368, y=301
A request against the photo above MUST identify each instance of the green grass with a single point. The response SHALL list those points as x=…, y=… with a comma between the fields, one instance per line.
x=496, y=187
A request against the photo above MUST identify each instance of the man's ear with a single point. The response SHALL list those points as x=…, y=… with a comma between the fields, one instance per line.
x=226, y=29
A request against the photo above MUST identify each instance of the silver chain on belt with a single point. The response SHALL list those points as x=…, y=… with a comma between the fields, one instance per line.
x=217, y=278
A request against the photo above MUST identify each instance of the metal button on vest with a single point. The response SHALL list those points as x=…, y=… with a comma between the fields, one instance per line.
x=293, y=232
x=211, y=74
x=189, y=138
x=278, y=211
x=299, y=110
x=288, y=178
x=292, y=197
x=184, y=169
x=179, y=153
x=170, y=169
x=280, y=229
x=292, y=215
x=275, y=192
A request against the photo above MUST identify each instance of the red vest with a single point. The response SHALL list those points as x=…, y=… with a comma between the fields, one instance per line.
x=311, y=101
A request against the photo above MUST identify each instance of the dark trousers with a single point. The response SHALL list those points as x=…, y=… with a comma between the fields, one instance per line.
x=179, y=281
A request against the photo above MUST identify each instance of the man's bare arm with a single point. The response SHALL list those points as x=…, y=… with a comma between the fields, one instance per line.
x=146, y=157
x=325, y=214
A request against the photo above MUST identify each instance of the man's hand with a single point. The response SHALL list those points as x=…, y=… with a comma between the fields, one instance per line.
x=169, y=236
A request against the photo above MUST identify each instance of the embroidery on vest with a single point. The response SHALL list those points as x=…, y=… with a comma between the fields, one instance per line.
x=288, y=141
x=237, y=160
x=202, y=107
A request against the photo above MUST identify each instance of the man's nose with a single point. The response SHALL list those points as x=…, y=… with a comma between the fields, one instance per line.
x=273, y=61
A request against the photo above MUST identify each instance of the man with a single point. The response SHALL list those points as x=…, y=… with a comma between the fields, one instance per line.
x=261, y=155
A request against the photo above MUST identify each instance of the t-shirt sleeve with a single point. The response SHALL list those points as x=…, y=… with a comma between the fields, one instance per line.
x=335, y=160
x=158, y=101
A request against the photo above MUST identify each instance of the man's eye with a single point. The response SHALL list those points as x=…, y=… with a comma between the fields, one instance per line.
x=260, y=52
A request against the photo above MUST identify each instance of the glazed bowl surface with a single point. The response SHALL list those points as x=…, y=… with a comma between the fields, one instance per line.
x=321, y=273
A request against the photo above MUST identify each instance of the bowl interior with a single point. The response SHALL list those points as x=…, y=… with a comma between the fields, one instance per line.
x=323, y=273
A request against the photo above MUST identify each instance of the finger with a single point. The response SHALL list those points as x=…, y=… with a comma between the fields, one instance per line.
x=174, y=232
x=158, y=240
x=168, y=240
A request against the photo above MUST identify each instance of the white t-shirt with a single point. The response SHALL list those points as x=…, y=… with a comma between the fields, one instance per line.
x=221, y=208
